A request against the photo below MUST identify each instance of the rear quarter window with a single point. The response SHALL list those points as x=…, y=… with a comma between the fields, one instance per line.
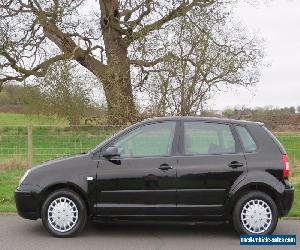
x=246, y=139
x=277, y=142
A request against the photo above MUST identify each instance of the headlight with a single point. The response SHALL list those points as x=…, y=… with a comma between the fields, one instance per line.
x=24, y=176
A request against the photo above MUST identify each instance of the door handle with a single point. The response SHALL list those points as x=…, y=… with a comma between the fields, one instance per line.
x=235, y=164
x=165, y=167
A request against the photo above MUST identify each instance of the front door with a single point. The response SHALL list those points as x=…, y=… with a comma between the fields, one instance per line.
x=211, y=162
x=142, y=181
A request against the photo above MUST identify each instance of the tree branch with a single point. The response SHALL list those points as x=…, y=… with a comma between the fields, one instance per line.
x=144, y=63
x=38, y=71
x=70, y=48
x=181, y=10
x=144, y=13
x=166, y=58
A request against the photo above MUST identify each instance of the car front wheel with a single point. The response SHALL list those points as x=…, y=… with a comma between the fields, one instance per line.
x=64, y=213
x=255, y=214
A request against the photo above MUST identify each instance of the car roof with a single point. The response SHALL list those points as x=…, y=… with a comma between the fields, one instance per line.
x=206, y=119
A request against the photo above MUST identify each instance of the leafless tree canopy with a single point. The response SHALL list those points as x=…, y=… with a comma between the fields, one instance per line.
x=206, y=52
x=113, y=39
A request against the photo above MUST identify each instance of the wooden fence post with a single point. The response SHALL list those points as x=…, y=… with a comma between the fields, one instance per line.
x=29, y=146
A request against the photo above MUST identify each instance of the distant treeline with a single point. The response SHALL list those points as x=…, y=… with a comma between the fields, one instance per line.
x=68, y=101
x=20, y=99
x=12, y=95
x=277, y=119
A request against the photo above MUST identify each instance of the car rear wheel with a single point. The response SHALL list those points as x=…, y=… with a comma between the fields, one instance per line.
x=255, y=213
x=64, y=213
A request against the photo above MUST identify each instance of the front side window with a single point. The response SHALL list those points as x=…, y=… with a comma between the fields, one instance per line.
x=148, y=140
x=202, y=138
x=247, y=140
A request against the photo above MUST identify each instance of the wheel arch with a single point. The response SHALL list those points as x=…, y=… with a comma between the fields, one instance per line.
x=259, y=186
x=70, y=186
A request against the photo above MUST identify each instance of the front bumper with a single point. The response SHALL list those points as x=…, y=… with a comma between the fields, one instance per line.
x=28, y=204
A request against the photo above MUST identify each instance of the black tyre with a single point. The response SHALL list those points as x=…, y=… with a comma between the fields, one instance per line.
x=64, y=213
x=255, y=213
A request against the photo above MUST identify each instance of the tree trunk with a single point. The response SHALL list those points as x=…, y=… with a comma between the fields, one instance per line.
x=117, y=83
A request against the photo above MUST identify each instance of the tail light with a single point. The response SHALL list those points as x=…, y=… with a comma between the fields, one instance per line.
x=286, y=166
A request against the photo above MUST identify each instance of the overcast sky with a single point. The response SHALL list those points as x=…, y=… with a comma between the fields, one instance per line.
x=279, y=24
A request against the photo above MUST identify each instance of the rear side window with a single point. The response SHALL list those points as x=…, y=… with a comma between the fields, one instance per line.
x=247, y=140
x=201, y=138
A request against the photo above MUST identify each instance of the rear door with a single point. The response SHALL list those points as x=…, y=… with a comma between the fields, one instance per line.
x=211, y=161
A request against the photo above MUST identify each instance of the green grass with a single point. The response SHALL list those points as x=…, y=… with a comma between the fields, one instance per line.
x=9, y=180
x=295, y=212
x=291, y=142
x=23, y=119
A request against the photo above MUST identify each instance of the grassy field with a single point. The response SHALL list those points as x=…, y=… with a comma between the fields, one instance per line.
x=295, y=212
x=9, y=180
x=23, y=119
x=291, y=142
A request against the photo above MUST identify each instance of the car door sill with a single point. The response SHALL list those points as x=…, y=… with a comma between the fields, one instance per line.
x=158, y=218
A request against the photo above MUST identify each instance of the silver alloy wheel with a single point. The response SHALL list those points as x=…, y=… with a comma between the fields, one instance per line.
x=256, y=216
x=62, y=214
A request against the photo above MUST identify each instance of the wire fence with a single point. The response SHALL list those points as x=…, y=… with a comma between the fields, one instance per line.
x=24, y=146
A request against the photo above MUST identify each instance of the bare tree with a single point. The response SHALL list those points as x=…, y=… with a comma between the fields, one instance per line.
x=113, y=39
x=30, y=27
x=209, y=52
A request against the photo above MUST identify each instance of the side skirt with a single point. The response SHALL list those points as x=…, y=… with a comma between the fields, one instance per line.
x=161, y=218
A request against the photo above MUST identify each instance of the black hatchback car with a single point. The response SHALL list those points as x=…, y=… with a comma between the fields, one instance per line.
x=179, y=168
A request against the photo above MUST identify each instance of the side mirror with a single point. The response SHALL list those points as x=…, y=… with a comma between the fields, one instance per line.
x=111, y=152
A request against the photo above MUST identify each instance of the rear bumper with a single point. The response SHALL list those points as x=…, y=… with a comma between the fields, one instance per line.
x=287, y=199
x=27, y=204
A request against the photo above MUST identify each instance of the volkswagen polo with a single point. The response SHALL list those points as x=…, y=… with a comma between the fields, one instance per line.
x=182, y=168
